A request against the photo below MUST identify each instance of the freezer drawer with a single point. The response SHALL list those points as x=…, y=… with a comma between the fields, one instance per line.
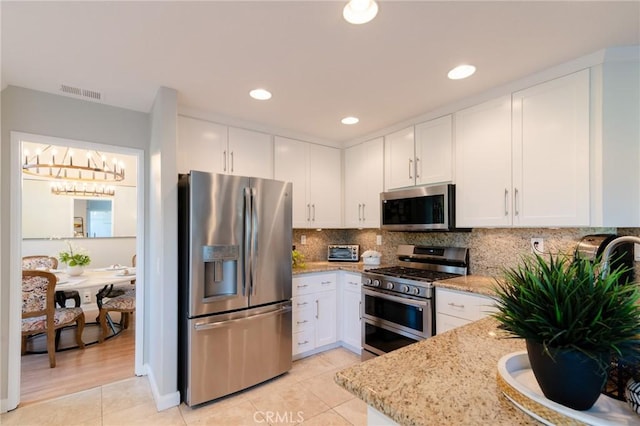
x=230, y=352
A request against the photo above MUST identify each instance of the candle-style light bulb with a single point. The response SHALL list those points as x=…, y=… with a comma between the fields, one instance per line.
x=26, y=156
x=88, y=158
x=71, y=158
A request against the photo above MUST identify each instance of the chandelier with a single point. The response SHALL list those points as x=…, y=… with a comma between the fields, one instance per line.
x=84, y=190
x=96, y=169
x=94, y=177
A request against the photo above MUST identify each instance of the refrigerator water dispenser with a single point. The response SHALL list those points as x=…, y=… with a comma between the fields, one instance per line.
x=220, y=270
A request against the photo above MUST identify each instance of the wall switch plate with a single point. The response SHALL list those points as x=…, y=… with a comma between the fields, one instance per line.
x=86, y=297
x=303, y=239
x=379, y=240
x=537, y=245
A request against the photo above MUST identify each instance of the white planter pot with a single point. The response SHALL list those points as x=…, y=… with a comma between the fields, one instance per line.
x=75, y=270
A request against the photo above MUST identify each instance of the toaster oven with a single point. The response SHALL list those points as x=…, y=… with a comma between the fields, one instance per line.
x=343, y=253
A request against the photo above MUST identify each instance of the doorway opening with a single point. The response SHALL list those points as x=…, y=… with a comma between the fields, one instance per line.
x=111, y=231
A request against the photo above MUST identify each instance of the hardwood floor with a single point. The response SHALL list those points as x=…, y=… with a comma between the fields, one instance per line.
x=77, y=369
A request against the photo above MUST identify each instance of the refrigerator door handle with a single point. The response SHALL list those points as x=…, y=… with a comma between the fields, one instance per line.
x=254, y=240
x=225, y=323
x=247, y=240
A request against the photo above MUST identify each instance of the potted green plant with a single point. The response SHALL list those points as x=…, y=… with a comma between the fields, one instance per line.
x=573, y=319
x=75, y=259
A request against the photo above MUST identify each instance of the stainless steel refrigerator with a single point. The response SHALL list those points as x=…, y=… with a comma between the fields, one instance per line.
x=234, y=283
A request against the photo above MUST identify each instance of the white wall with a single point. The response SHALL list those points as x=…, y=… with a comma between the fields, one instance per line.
x=103, y=251
x=162, y=248
x=40, y=113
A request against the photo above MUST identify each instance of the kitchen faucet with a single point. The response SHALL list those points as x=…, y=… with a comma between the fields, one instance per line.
x=606, y=254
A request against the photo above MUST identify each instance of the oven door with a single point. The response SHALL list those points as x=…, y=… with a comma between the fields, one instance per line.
x=402, y=313
x=379, y=339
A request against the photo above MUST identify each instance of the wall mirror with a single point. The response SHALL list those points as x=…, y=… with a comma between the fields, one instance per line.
x=51, y=214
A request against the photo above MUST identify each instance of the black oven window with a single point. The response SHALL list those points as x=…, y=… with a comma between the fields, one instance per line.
x=398, y=313
x=414, y=211
x=385, y=340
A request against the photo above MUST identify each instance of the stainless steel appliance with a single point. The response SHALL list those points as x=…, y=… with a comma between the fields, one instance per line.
x=398, y=301
x=423, y=208
x=234, y=283
x=591, y=248
x=343, y=253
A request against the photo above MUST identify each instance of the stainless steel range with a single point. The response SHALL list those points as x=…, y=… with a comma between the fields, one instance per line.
x=398, y=301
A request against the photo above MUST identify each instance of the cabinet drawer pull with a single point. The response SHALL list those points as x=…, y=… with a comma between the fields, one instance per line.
x=303, y=343
x=455, y=305
x=302, y=286
x=325, y=282
x=352, y=283
x=302, y=304
x=301, y=322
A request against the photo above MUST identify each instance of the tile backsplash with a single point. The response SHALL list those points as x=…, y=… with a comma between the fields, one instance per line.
x=490, y=250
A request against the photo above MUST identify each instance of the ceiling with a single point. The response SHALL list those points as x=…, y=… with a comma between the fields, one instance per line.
x=318, y=67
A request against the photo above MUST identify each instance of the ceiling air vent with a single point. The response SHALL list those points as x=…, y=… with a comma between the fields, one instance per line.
x=86, y=93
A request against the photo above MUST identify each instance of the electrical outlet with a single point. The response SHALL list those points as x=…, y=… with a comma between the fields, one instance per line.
x=379, y=240
x=86, y=297
x=303, y=239
x=537, y=245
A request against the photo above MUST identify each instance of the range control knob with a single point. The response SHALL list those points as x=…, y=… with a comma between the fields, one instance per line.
x=406, y=288
x=367, y=281
x=416, y=291
x=376, y=283
x=390, y=285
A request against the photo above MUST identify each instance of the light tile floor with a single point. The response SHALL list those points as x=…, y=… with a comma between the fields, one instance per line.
x=307, y=394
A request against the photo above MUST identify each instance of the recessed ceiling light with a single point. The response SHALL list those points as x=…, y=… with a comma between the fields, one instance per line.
x=461, y=71
x=260, y=94
x=350, y=120
x=360, y=11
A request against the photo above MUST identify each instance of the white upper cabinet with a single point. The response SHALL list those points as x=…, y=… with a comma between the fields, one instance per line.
x=399, y=159
x=615, y=194
x=420, y=155
x=551, y=153
x=483, y=164
x=525, y=161
x=201, y=145
x=434, y=148
x=250, y=153
x=363, y=176
x=214, y=148
x=315, y=172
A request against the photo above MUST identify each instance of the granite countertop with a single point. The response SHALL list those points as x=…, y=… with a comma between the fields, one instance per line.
x=446, y=379
x=471, y=283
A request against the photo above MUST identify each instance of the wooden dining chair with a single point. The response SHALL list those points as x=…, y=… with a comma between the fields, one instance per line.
x=39, y=312
x=44, y=262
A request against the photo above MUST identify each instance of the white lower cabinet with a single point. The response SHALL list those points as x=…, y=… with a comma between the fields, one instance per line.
x=456, y=308
x=350, y=326
x=314, y=311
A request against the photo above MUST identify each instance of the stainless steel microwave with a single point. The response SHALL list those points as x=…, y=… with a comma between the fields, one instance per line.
x=422, y=208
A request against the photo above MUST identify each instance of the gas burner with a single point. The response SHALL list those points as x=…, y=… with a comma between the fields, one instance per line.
x=412, y=273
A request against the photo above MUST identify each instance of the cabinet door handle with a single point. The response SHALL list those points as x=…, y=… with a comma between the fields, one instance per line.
x=410, y=168
x=224, y=160
x=231, y=155
x=313, y=217
x=303, y=343
x=455, y=305
x=506, y=202
x=515, y=202
x=360, y=310
x=317, y=309
x=308, y=212
x=359, y=212
x=417, y=168
x=363, y=218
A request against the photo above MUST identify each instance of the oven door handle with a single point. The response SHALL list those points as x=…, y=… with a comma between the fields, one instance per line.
x=403, y=300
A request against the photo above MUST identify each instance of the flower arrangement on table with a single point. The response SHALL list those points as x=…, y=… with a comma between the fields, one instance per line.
x=74, y=256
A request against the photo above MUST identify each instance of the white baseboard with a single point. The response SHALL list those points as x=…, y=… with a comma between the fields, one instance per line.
x=163, y=402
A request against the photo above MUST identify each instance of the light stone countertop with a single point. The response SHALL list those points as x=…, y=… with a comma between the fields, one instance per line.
x=311, y=267
x=448, y=379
